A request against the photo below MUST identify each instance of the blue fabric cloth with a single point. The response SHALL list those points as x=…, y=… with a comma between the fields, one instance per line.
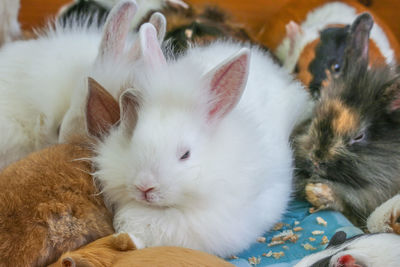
x=293, y=252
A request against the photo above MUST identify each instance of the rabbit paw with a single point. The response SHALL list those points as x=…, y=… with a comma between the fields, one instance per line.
x=123, y=242
x=386, y=217
x=137, y=241
x=320, y=196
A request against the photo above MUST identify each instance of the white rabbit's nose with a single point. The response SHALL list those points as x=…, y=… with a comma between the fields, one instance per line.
x=145, y=189
x=147, y=193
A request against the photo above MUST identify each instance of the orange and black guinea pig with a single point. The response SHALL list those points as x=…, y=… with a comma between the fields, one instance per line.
x=324, y=57
x=201, y=26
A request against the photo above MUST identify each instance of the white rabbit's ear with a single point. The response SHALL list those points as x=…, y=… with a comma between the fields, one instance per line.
x=116, y=29
x=293, y=31
x=160, y=23
x=102, y=110
x=228, y=81
x=129, y=103
x=148, y=47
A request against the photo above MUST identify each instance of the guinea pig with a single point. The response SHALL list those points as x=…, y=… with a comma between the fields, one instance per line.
x=309, y=37
x=347, y=154
x=118, y=250
x=373, y=250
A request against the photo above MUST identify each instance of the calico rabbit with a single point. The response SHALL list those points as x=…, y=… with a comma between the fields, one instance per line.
x=201, y=157
x=373, y=250
x=347, y=155
x=38, y=77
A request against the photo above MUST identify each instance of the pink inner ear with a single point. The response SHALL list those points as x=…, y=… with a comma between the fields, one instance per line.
x=150, y=46
x=116, y=29
x=228, y=84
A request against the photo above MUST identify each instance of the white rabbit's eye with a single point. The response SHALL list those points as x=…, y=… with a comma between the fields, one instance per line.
x=186, y=155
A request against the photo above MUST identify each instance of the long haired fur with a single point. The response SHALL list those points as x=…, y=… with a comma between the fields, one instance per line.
x=9, y=25
x=352, y=142
x=119, y=251
x=50, y=205
x=176, y=173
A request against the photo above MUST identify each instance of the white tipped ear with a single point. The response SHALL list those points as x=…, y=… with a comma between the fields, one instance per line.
x=228, y=81
x=160, y=23
x=148, y=47
x=116, y=29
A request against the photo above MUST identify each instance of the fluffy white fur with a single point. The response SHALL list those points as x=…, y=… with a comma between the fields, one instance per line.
x=368, y=250
x=379, y=220
x=39, y=77
x=9, y=26
x=331, y=13
x=36, y=81
x=237, y=181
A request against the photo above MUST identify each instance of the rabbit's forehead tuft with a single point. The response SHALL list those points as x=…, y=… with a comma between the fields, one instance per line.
x=343, y=119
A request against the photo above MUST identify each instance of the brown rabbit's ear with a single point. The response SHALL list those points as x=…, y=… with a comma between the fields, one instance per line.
x=357, y=46
x=102, y=110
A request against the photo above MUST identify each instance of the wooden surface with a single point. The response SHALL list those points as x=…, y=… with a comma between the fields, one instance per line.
x=34, y=13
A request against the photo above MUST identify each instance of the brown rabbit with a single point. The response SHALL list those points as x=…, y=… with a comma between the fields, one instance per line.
x=347, y=155
x=119, y=251
x=49, y=203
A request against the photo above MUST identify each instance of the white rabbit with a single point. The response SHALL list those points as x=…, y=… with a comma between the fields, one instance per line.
x=9, y=25
x=201, y=157
x=38, y=78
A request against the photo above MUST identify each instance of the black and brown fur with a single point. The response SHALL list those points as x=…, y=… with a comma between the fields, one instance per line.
x=325, y=55
x=350, y=148
x=201, y=26
x=185, y=26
